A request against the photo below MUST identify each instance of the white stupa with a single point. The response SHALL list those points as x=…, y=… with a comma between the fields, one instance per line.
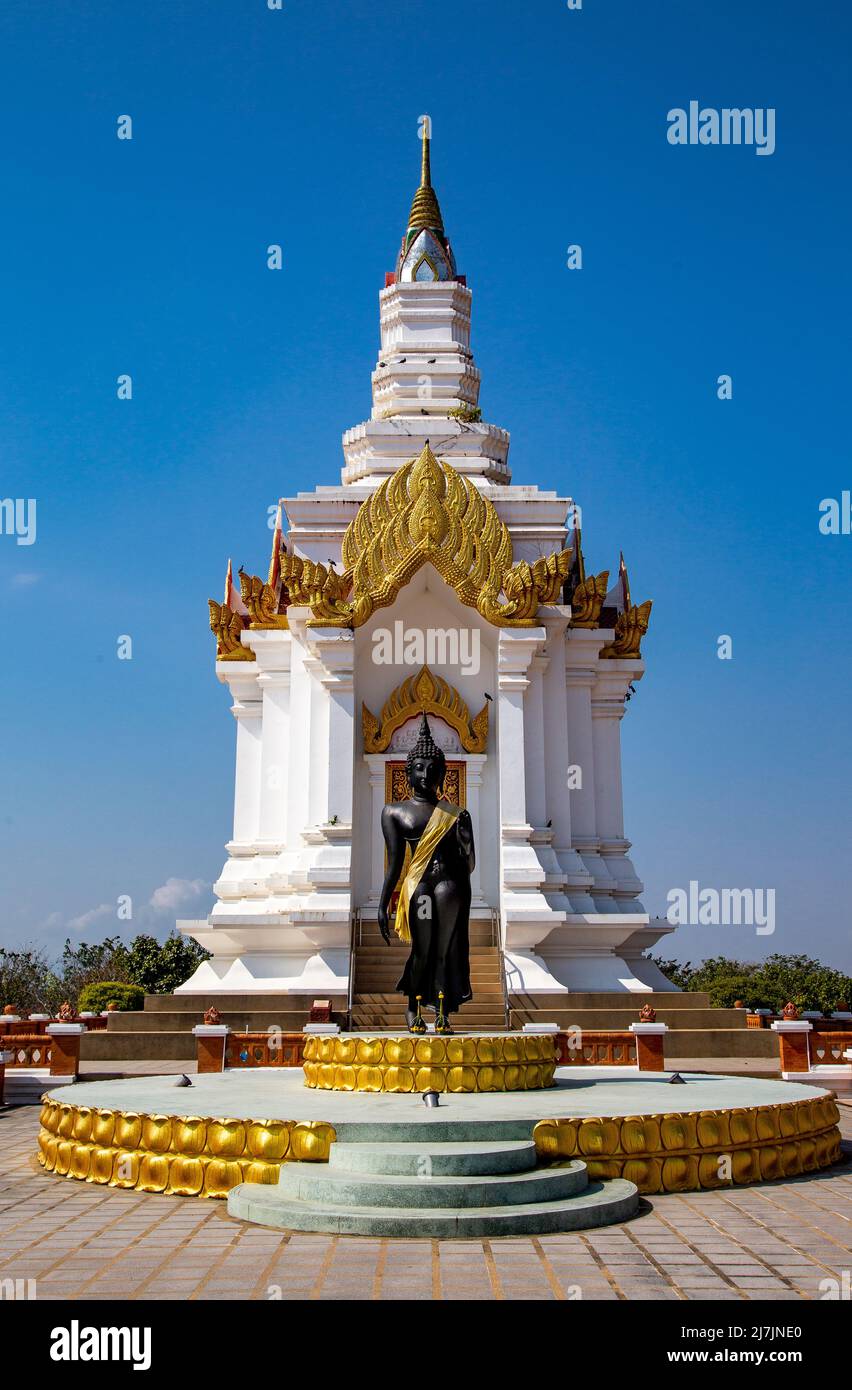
x=523, y=668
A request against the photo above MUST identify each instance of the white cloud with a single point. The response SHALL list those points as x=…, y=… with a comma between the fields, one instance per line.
x=24, y=580
x=176, y=891
x=96, y=914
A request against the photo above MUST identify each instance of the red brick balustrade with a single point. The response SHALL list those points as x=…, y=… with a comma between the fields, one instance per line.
x=596, y=1049
x=827, y=1046
x=29, y=1027
x=270, y=1049
x=27, y=1049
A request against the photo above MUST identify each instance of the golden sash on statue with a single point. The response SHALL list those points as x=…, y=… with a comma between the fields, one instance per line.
x=438, y=824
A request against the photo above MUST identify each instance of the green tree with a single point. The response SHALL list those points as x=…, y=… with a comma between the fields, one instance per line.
x=679, y=972
x=84, y=964
x=804, y=980
x=159, y=967
x=29, y=981
x=726, y=982
x=766, y=984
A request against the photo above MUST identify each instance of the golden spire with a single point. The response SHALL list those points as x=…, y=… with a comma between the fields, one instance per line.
x=425, y=211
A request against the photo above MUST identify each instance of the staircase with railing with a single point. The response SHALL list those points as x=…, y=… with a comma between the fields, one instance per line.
x=377, y=968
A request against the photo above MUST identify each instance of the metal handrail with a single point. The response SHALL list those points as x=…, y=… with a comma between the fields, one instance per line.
x=354, y=924
x=497, y=941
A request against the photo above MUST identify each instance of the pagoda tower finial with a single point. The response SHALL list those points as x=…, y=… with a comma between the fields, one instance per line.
x=426, y=252
x=426, y=382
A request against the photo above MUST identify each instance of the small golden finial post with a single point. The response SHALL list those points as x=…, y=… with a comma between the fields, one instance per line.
x=425, y=165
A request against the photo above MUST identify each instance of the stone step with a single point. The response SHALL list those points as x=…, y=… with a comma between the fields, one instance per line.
x=617, y=1020
x=323, y=1186
x=483, y=996
x=600, y=1204
x=392, y=998
x=238, y=1003
x=453, y=1159
x=386, y=979
x=26, y=1086
x=389, y=965
x=373, y=1024
x=367, y=1020
x=401, y=948
x=430, y=1128
x=392, y=969
x=610, y=999
x=173, y=1021
x=478, y=933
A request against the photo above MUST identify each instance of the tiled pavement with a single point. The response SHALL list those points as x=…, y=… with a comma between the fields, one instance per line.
x=778, y=1241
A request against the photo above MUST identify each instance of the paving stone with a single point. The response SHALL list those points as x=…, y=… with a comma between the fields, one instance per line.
x=89, y=1242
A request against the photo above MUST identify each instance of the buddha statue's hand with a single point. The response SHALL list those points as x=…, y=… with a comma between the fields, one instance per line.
x=464, y=829
x=384, y=927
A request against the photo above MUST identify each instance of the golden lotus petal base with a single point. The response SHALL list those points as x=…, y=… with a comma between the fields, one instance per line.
x=702, y=1149
x=205, y=1156
x=184, y=1155
x=461, y=1064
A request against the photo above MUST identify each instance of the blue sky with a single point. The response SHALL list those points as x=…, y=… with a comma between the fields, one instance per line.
x=254, y=126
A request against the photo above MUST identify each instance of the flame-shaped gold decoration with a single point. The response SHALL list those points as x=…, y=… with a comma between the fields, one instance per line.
x=426, y=511
x=431, y=694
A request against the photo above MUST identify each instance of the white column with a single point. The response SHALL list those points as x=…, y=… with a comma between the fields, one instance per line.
x=534, y=735
x=516, y=649
x=475, y=762
x=608, y=708
x=325, y=869
x=332, y=664
x=273, y=650
x=560, y=856
x=376, y=763
x=607, y=712
x=247, y=709
x=527, y=916
x=581, y=671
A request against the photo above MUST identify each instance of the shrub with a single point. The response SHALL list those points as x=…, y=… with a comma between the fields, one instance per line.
x=98, y=995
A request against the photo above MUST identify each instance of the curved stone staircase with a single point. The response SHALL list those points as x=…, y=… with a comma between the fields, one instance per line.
x=421, y=1185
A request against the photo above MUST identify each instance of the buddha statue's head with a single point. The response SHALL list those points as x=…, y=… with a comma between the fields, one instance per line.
x=426, y=766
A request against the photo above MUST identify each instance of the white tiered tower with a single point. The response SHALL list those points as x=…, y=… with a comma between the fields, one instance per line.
x=545, y=794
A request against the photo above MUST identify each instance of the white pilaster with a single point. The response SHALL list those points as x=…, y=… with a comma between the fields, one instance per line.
x=581, y=668
x=273, y=649
x=613, y=680
x=247, y=709
x=326, y=863
x=528, y=918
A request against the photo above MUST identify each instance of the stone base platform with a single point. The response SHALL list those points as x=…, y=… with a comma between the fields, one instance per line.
x=244, y=1129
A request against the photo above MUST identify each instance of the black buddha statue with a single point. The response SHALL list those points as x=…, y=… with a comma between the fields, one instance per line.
x=434, y=900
